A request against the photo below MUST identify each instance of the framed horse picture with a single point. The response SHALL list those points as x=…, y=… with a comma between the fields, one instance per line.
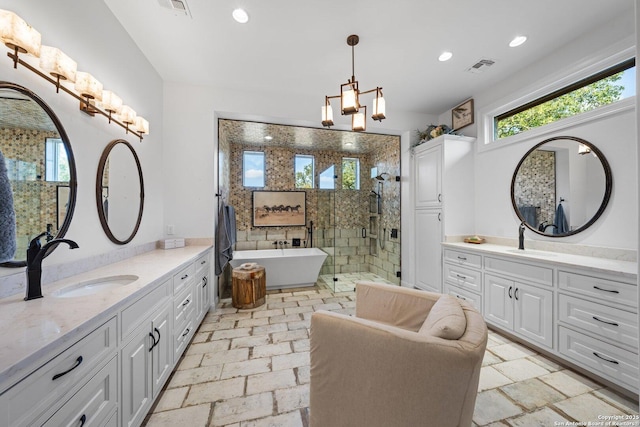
x=279, y=208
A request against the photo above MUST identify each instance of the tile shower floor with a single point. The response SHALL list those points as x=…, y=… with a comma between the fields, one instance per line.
x=250, y=368
x=346, y=282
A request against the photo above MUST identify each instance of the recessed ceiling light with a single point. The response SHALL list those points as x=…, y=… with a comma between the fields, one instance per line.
x=268, y=138
x=517, y=41
x=240, y=15
x=445, y=56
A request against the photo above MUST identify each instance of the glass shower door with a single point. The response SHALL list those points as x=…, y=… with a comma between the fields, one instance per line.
x=326, y=230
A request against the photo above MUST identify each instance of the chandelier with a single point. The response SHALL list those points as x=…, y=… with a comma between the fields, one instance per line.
x=350, y=99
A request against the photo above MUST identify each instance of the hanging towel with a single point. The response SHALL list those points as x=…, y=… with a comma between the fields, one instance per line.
x=560, y=222
x=225, y=237
x=7, y=215
x=529, y=214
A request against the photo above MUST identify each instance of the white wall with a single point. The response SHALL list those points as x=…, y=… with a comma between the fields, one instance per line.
x=103, y=48
x=615, y=136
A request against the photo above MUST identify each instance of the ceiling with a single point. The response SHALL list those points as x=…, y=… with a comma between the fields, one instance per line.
x=299, y=47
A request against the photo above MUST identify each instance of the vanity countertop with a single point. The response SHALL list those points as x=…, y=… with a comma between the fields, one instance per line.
x=623, y=269
x=34, y=331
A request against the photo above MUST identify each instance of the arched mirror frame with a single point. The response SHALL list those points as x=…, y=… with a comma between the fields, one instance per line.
x=73, y=183
x=101, y=215
x=605, y=199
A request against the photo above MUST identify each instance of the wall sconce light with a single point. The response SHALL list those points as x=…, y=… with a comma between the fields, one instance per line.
x=56, y=67
x=350, y=99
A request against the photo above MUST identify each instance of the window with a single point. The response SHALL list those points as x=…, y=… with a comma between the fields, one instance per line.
x=327, y=178
x=56, y=166
x=606, y=87
x=350, y=173
x=304, y=171
x=253, y=169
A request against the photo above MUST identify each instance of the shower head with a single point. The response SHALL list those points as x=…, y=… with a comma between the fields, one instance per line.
x=381, y=177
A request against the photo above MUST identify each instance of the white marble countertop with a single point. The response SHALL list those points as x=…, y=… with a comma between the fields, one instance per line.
x=624, y=269
x=34, y=331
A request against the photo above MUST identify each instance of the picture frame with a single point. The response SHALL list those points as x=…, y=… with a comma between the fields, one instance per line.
x=462, y=115
x=279, y=208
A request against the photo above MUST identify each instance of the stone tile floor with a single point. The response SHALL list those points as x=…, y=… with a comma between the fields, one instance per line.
x=347, y=281
x=250, y=368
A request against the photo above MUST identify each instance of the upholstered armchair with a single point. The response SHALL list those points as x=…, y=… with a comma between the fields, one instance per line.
x=408, y=358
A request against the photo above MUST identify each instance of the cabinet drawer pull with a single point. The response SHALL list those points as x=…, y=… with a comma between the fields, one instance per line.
x=205, y=281
x=510, y=287
x=78, y=362
x=515, y=294
x=83, y=419
x=203, y=262
x=153, y=337
x=186, y=332
x=439, y=216
x=184, y=277
x=460, y=276
x=606, y=290
x=461, y=297
x=186, y=303
x=615, y=362
x=440, y=197
x=462, y=258
x=156, y=329
x=604, y=321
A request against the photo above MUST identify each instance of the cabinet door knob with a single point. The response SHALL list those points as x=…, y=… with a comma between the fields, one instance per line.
x=604, y=321
x=61, y=374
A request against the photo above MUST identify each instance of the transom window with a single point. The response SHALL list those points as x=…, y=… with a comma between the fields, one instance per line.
x=603, y=88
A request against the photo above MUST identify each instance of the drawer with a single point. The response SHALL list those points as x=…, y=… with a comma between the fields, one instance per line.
x=183, y=278
x=602, y=289
x=182, y=337
x=183, y=307
x=463, y=258
x=202, y=263
x=39, y=391
x=92, y=404
x=134, y=314
x=473, y=299
x=607, y=322
x=611, y=362
x=526, y=272
x=463, y=277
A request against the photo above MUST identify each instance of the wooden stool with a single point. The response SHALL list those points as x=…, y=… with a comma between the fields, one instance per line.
x=249, y=287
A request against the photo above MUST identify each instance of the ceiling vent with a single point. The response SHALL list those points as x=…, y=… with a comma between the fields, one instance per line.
x=178, y=7
x=480, y=66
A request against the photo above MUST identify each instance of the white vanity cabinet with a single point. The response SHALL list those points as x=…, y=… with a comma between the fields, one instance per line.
x=442, y=198
x=115, y=361
x=582, y=310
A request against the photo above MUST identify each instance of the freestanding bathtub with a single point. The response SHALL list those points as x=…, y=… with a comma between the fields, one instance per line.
x=285, y=268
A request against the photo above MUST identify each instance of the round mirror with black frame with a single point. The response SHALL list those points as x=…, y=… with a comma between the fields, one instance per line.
x=561, y=186
x=120, y=191
x=41, y=168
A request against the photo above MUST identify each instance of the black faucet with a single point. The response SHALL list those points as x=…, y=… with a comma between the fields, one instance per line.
x=521, y=236
x=35, y=254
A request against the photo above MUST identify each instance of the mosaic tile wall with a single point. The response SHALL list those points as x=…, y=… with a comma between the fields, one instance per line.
x=34, y=198
x=539, y=172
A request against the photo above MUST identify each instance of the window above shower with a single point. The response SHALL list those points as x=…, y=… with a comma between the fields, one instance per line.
x=253, y=169
x=304, y=171
x=350, y=173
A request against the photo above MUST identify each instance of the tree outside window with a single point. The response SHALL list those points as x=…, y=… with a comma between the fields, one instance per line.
x=350, y=173
x=304, y=171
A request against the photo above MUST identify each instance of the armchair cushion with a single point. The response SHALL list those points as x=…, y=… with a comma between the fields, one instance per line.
x=445, y=320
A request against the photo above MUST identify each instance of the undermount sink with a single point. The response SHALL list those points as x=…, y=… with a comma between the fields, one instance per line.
x=94, y=286
x=530, y=252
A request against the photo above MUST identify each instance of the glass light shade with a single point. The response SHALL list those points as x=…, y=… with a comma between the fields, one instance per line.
x=15, y=32
x=240, y=15
x=349, y=103
x=358, y=122
x=56, y=63
x=88, y=86
x=327, y=115
x=111, y=102
x=127, y=115
x=378, y=108
x=142, y=125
